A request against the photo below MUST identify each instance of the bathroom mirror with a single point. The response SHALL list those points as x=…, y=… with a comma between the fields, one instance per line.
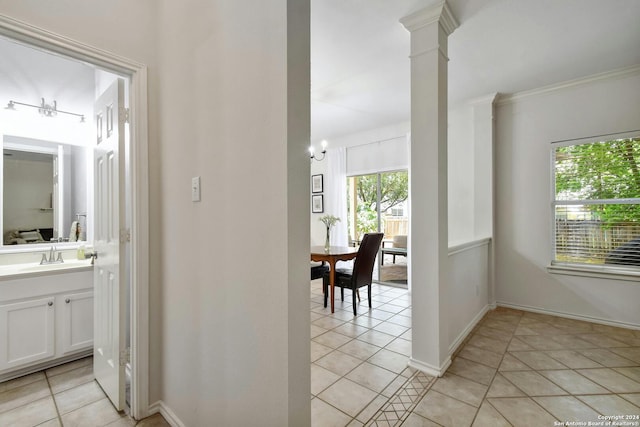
x=45, y=192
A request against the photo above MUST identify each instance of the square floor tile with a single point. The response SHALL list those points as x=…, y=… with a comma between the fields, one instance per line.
x=321, y=378
x=338, y=362
x=607, y=358
x=400, y=345
x=567, y=408
x=573, y=382
x=395, y=362
x=415, y=420
x=490, y=344
x=633, y=372
x=533, y=384
x=473, y=371
x=70, y=379
x=332, y=339
x=445, y=410
x=390, y=328
x=98, y=413
x=538, y=360
x=22, y=395
x=522, y=411
x=501, y=387
x=31, y=414
x=372, y=409
x=349, y=397
x=610, y=404
x=351, y=329
x=78, y=397
x=19, y=382
x=376, y=338
x=318, y=350
x=371, y=376
x=325, y=415
x=488, y=417
x=572, y=359
x=511, y=363
x=359, y=349
x=479, y=355
x=460, y=388
x=612, y=380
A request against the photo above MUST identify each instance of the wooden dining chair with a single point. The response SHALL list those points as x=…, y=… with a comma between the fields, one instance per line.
x=360, y=275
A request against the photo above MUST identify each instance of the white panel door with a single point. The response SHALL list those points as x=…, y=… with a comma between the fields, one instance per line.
x=77, y=318
x=109, y=291
x=26, y=332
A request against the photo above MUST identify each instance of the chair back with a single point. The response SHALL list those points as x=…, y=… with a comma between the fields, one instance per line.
x=363, y=265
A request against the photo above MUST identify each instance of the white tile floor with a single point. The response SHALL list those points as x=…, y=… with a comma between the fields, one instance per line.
x=515, y=369
x=66, y=395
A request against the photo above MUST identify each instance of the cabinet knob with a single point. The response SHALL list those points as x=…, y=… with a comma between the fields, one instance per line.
x=67, y=300
x=50, y=303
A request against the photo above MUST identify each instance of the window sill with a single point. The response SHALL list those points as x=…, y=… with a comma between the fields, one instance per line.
x=611, y=273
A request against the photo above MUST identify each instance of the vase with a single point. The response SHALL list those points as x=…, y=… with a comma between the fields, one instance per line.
x=327, y=245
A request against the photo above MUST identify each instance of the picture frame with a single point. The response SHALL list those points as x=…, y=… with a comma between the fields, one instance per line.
x=317, y=183
x=317, y=203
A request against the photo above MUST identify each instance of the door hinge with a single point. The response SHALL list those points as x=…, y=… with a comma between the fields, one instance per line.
x=125, y=235
x=125, y=356
x=126, y=115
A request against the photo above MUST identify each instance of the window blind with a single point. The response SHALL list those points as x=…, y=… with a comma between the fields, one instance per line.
x=596, y=207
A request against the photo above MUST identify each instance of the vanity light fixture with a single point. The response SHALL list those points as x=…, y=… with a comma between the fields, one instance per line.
x=323, y=152
x=45, y=109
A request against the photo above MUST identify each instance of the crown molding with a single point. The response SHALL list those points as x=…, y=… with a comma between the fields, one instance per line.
x=483, y=100
x=440, y=12
x=613, y=74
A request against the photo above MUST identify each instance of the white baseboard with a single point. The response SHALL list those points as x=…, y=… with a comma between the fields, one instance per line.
x=430, y=369
x=459, y=340
x=166, y=413
x=570, y=315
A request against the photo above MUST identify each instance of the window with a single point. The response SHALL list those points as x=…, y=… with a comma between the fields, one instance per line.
x=596, y=206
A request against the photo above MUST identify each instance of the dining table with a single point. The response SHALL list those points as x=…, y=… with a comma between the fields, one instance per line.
x=332, y=255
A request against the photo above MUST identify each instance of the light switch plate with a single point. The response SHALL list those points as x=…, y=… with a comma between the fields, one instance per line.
x=195, y=189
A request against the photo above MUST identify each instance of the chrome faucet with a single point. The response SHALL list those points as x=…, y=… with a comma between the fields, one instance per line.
x=52, y=257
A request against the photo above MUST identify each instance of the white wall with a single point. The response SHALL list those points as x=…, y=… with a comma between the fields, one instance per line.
x=229, y=309
x=525, y=127
x=460, y=174
x=467, y=296
x=235, y=326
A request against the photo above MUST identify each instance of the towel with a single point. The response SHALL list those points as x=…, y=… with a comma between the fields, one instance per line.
x=73, y=233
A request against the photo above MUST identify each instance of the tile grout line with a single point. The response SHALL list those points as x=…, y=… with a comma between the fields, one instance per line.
x=55, y=404
x=484, y=397
x=526, y=394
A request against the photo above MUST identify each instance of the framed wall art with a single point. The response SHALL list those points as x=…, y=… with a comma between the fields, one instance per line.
x=317, y=203
x=317, y=183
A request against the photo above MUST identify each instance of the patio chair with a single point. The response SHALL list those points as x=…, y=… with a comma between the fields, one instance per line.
x=362, y=272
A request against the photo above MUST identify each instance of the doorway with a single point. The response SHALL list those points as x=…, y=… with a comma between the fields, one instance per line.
x=378, y=202
x=133, y=229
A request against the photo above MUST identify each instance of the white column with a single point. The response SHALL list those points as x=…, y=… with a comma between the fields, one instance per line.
x=429, y=29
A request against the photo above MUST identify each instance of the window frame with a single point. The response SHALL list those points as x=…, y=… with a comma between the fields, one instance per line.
x=609, y=271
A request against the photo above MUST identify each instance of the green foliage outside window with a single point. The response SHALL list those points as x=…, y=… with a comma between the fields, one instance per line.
x=601, y=171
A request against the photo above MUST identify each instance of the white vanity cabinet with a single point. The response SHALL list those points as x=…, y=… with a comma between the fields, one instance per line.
x=44, y=317
x=27, y=330
x=76, y=328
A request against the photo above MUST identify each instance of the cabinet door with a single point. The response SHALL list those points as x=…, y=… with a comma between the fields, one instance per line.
x=26, y=332
x=77, y=323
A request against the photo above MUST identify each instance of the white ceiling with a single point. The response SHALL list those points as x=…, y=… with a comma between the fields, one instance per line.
x=27, y=75
x=360, y=65
x=360, y=56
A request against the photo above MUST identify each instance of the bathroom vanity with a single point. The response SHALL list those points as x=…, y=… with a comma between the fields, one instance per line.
x=46, y=315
